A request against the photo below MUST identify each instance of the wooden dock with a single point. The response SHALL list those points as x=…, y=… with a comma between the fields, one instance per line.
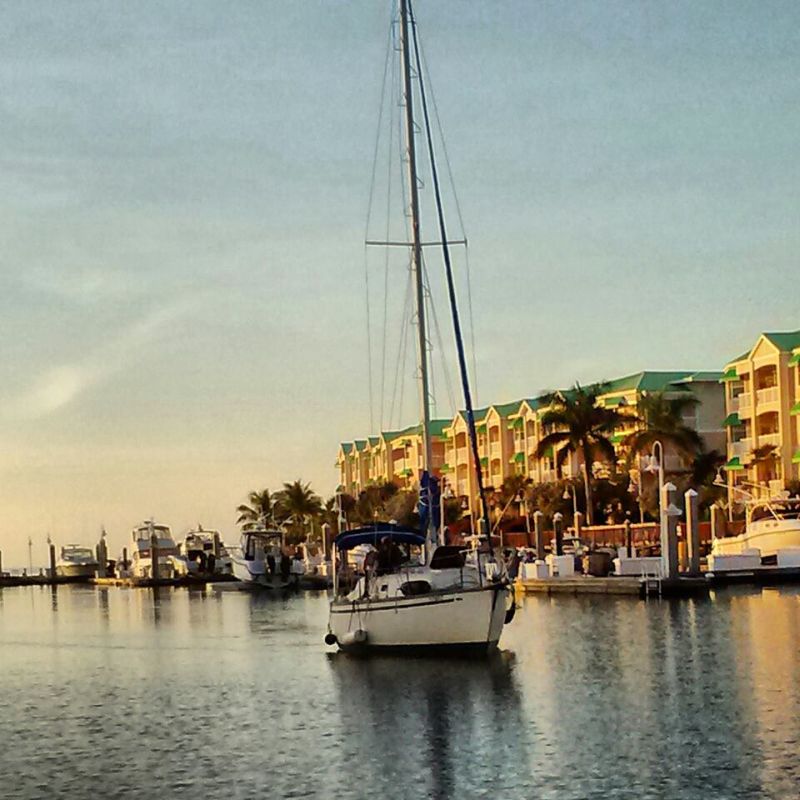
x=632, y=587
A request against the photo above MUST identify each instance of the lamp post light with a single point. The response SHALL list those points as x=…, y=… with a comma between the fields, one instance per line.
x=523, y=511
x=656, y=465
x=570, y=491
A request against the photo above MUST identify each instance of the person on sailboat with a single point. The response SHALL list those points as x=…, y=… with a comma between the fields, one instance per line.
x=390, y=556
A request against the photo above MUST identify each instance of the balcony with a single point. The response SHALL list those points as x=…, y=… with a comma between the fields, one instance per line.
x=765, y=439
x=740, y=448
x=745, y=400
x=733, y=404
x=462, y=455
x=770, y=395
x=462, y=488
x=495, y=450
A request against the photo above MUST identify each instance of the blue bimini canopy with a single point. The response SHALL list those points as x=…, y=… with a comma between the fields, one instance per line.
x=372, y=534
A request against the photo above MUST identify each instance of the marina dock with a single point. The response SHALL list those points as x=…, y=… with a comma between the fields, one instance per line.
x=630, y=586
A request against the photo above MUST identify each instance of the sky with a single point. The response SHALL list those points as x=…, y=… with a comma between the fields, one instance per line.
x=184, y=189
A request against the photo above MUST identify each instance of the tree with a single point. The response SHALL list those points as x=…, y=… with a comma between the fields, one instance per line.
x=296, y=506
x=261, y=508
x=581, y=427
x=663, y=420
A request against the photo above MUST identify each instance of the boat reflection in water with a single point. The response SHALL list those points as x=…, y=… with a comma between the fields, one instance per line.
x=434, y=723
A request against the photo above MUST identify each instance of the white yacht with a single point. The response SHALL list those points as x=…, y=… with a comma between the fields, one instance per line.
x=170, y=563
x=260, y=561
x=76, y=562
x=198, y=548
x=770, y=526
x=416, y=593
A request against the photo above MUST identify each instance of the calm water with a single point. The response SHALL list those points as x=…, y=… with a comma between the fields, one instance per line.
x=218, y=694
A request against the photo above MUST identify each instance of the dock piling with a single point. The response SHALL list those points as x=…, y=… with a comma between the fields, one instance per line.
x=154, y=572
x=717, y=522
x=52, y=562
x=693, y=530
x=558, y=532
x=216, y=546
x=538, y=529
x=628, y=539
x=669, y=532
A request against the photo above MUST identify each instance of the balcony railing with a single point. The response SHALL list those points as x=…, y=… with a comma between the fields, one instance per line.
x=462, y=487
x=740, y=448
x=462, y=455
x=495, y=450
x=771, y=395
x=733, y=404
x=765, y=439
x=745, y=400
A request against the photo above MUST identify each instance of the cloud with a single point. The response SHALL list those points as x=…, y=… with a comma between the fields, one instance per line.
x=63, y=384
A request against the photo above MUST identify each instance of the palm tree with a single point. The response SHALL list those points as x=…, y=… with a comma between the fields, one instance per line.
x=581, y=427
x=297, y=504
x=663, y=419
x=261, y=508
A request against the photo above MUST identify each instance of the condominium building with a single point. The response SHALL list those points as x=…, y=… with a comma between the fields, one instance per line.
x=762, y=401
x=509, y=434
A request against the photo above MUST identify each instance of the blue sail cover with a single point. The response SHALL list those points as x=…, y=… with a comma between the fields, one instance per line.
x=429, y=487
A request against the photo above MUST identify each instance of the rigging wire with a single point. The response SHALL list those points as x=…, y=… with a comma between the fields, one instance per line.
x=379, y=127
x=394, y=118
x=460, y=218
x=440, y=346
x=449, y=275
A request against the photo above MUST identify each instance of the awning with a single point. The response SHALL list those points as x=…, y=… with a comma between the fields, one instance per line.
x=517, y=458
x=796, y=457
x=619, y=438
x=613, y=402
x=795, y=409
x=517, y=423
x=484, y=462
x=445, y=468
x=795, y=359
x=730, y=374
x=734, y=465
x=731, y=420
x=548, y=453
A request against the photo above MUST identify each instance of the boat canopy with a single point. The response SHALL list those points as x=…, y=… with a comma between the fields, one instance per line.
x=372, y=534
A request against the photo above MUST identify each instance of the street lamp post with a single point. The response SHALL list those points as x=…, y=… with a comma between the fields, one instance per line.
x=657, y=465
x=570, y=491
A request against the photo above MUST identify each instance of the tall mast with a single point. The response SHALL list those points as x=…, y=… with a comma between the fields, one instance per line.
x=416, y=244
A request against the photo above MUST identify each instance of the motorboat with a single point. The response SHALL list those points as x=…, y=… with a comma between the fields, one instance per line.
x=416, y=592
x=770, y=525
x=170, y=562
x=76, y=562
x=205, y=552
x=260, y=561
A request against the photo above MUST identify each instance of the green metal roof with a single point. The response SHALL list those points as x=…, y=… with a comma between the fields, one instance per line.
x=731, y=420
x=347, y=447
x=734, y=465
x=613, y=402
x=506, y=409
x=361, y=444
x=655, y=381
x=786, y=340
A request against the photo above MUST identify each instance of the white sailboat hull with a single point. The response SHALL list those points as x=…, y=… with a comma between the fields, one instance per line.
x=467, y=618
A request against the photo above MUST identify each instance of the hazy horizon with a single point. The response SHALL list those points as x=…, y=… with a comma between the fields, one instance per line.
x=183, y=220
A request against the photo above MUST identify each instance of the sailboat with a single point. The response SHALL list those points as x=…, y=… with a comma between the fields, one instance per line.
x=416, y=592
